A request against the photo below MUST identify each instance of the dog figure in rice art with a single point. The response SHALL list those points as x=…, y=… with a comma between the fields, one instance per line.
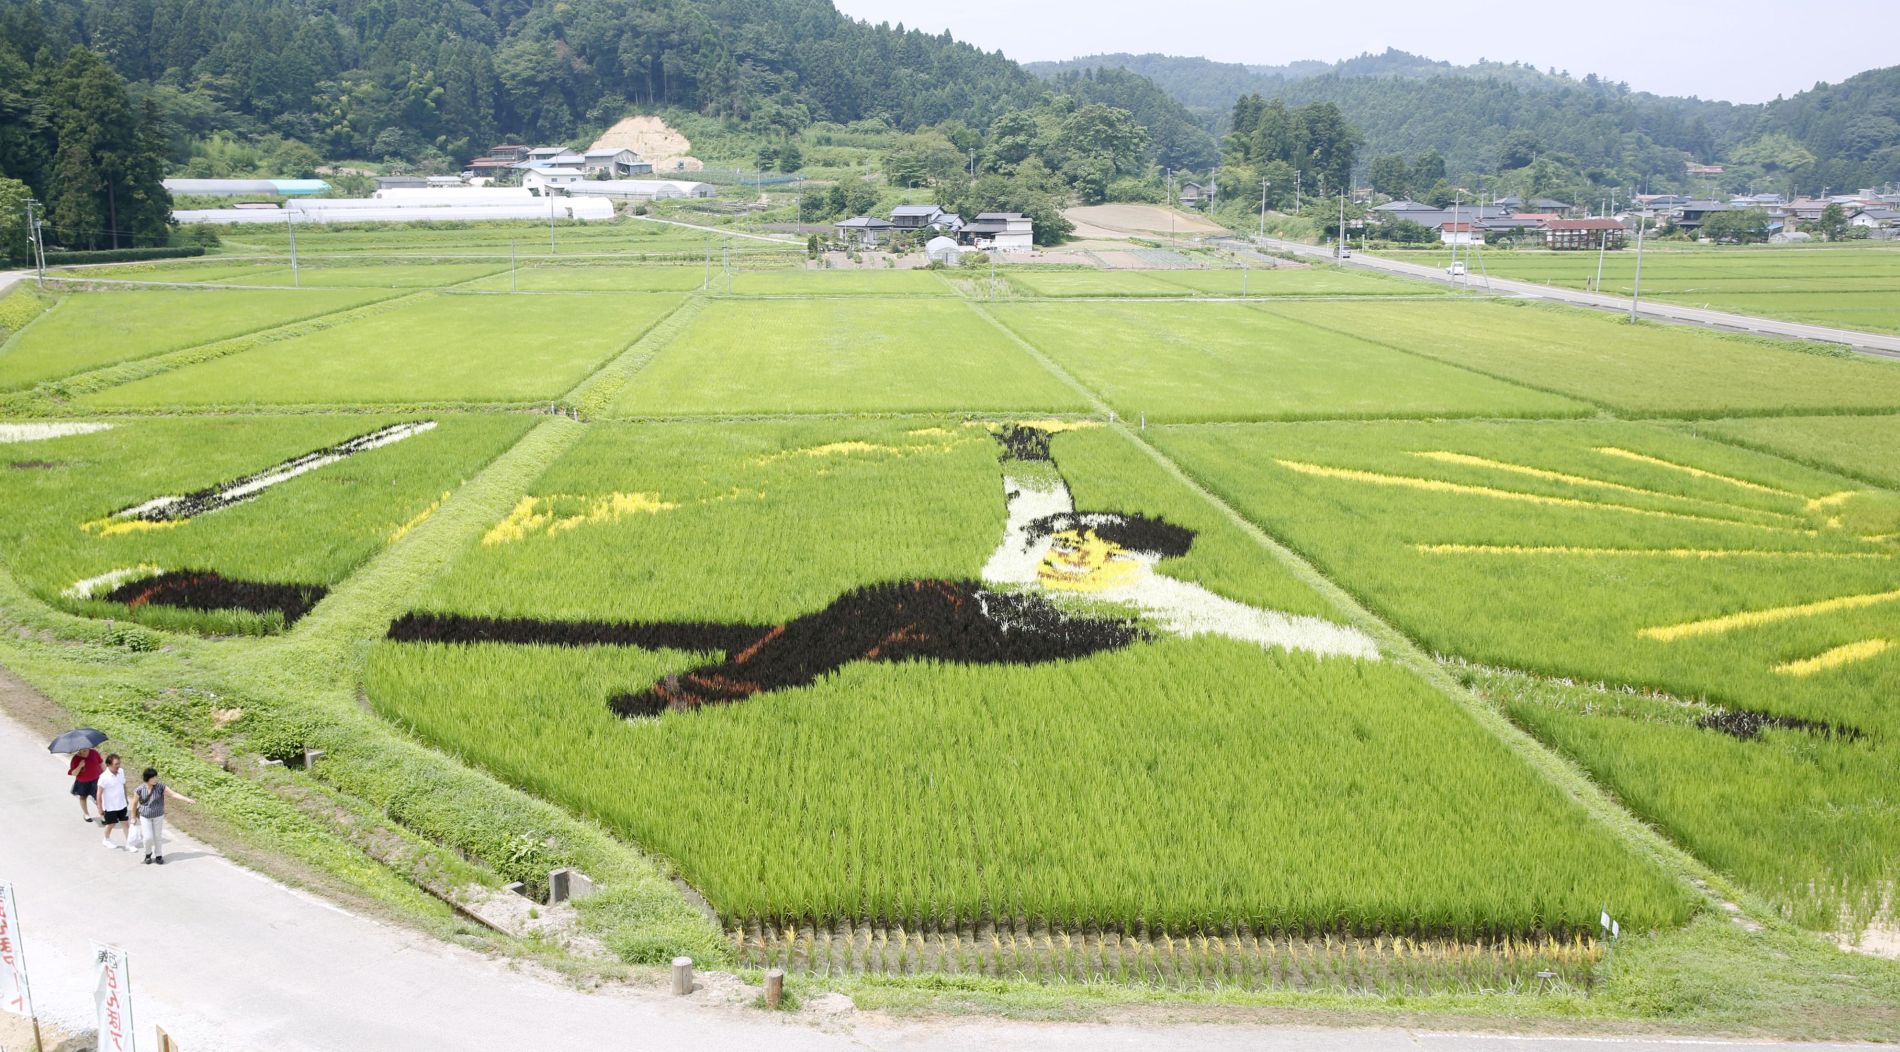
x=1060, y=585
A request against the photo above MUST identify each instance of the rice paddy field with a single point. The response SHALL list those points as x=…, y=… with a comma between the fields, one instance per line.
x=1355, y=639
x=1848, y=286
x=430, y=348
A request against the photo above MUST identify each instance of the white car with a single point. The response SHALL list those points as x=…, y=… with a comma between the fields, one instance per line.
x=1457, y=269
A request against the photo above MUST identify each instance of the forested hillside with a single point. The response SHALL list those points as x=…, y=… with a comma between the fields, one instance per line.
x=1407, y=105
x=1482, y=118
x=374, y=78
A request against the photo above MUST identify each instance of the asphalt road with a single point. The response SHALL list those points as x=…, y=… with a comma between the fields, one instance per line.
x=1880, y=344
x=225, y=959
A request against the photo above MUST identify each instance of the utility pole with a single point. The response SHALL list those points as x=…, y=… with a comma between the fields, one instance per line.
x=1339, y=242
x=550, y=194
x=1170, y=204
x=1457, y=201
x=513, y=284
x=1263, y=210
x=1298, y=177
x=1636, y=289
x=39, y=242
x=1603, y=242
x=290, y=227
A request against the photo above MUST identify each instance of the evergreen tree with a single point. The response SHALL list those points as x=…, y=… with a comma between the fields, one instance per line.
x=106, y=186
x=1389, y=175
x=15, y=239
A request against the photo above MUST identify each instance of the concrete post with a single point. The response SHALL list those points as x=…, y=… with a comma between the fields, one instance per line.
x=774, y=987
x=682, y=975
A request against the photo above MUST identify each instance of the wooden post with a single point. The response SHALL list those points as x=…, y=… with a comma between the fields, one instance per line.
x=774, y=987
x=165, y=1041
x=682, y=975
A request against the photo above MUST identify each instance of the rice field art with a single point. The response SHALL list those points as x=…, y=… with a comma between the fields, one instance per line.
x=958, y=711
x=1060, y=585
x=1752, y=598
x=222, y=525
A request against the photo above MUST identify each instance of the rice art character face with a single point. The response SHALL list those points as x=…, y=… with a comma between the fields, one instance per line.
x=1081, y=560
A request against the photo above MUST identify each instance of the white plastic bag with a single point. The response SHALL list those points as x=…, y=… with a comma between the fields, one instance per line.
x=136, y=838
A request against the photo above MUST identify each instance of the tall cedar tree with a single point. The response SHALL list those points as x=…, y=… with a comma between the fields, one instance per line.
x=106, y=188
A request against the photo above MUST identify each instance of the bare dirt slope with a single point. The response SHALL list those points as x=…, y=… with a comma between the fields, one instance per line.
x=654, y=140
x=1135, y=220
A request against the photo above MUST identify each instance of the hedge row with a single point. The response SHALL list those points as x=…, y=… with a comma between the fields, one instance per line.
x=123, y=255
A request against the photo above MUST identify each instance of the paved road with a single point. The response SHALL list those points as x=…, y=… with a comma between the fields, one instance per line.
x=1880, y=344
x=225, y=959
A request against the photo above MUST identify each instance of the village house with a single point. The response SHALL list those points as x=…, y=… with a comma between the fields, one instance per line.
x=999, y=232
x=1450, y=233
x=863, y=230
x=1583, y=233
x=1880, y=222
x=546, y=179
x=616, y=163
x=1196, y=194
x=1690, y=215
x=915, y=217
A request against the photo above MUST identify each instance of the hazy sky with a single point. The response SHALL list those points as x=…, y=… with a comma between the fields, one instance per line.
x=1740, y=50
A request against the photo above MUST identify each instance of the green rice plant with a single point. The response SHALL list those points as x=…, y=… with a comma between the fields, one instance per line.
x=1227, y=361
x=1626, y=553
x=594, y=275
x=801, y=282
x=1809, y=823
x=843, y=355
x=1851, y=286
x=750, y=502
x=1638, y=369
x=948, y=794
x=1554, y=548
x=94, y=329
x=966, y=794
x=1864, y=447
x=1036, y=281
x=1292, y=281
x=313, y=529
x=19, y=306
x=436, y=348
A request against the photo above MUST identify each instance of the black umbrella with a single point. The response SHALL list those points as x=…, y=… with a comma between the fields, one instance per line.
x=75, y=740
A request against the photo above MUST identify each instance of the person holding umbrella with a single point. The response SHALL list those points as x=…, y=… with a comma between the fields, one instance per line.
x=84, y=767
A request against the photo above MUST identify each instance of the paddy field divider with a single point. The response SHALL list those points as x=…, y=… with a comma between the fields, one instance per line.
x=594, y=394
